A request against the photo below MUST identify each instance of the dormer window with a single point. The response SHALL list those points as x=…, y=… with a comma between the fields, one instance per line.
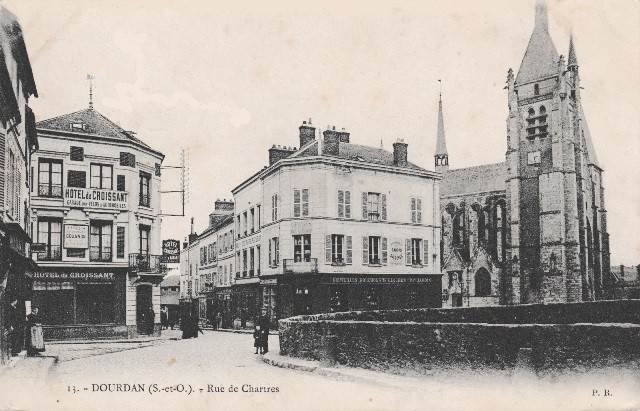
x=536, y=89
x=77, y=126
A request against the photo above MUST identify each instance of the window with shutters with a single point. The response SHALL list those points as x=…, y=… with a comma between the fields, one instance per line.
x=102, y=176
x=374, y=250
x=374, y=206
x=100, y=240
x=302, y=248
x=344, y=204
x=76, y=153
x=121, y=183
x=145, y=189
x=301, y=202
x=274, y=207
x=244, y=262
x=416, y=252
x=50, y=233
x=252, y=220
x=416, y=210
x=120, y=242
x=77, y=179
x=49, y=178
x=252, y=260
x=127, y=159
x=338, y=249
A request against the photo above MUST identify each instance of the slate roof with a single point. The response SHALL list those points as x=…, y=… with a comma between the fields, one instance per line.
x=223, y=220
x=471, y=180
x=591, y=151
x=95, y=124
x=541, y=58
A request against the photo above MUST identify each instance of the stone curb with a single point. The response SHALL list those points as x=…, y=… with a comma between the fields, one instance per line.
x=344, y=374
x=107, y=341
x=229, y=330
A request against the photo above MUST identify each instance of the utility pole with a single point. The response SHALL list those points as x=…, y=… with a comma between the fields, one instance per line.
x=184, y=182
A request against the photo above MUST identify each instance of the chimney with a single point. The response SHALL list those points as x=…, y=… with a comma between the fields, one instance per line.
x=192, y=236
x=343, y=136
x=277, y=153
x=223, y=206
x=331, y=142
x=307, y=133
x=400, y=153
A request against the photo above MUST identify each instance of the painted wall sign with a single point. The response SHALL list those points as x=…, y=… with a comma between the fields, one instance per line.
x=76, y=236
x=249, y=241
x=384, y=280
x=396, y=252
x=72, y=275
x=95, y=198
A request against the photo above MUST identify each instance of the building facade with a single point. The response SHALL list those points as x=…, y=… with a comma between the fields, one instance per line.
x=18, y=140
x=95, y=216
x=532, y=229
x=335, y=226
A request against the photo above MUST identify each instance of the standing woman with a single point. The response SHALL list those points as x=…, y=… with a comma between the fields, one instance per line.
x=35, y=339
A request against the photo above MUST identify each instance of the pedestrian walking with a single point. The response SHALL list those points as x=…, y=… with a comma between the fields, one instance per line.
x=219, y=320
x=35, y=338
x=164, y=318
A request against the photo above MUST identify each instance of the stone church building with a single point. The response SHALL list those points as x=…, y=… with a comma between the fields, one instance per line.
x=532, y=229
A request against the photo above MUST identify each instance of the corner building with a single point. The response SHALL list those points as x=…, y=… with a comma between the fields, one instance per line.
x=95, y=213
x=336, y=226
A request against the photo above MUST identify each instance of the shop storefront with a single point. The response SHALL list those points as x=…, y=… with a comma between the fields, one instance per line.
x=246, y=304
x=223, y=306
x=288, y=295
x=15, y=285
x=81, y=302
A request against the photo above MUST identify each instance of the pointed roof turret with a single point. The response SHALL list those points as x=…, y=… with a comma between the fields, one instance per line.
x=441, y=144
x=541, y=58
x=573, y=59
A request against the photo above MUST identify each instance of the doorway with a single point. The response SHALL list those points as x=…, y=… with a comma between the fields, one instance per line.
x=144, y=309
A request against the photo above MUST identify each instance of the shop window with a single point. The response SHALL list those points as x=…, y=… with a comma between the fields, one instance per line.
x=302, y=248
x=77, y=179
x=55, y=300
x=100, y=240
x=371, y=299
x=95, y=303
x=102, y=176
x=301, y=202
x=344, y=204
x=416, y=210
x=50, y=234
x=49, y=177
x=145, y=189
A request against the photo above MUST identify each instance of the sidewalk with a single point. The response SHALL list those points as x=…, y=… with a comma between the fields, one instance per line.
x=27, y=371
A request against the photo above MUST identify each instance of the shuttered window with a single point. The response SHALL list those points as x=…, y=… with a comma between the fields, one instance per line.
x=77, y=179
x=416, y=210
x=76, y=153
x=301, y=202
x=127, y=159
x=344, y=204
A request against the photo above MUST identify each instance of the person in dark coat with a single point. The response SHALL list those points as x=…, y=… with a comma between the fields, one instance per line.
x=35, y=340
x=14, y=327
x=263, y=321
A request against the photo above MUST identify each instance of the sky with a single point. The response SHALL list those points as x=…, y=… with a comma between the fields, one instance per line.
x=227, y=81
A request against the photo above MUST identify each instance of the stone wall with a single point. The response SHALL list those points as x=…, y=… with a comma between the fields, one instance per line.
x=420, y=341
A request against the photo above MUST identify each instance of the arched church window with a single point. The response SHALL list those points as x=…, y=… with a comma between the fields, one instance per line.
x=531, y=123
x=458, y=229
x=499, y=218
x=482, y=224
x=542, y=121
x=536, y=89
x=482, y=282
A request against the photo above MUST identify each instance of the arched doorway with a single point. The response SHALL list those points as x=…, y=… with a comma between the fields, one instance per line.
x=144, y=309
x=482, y=282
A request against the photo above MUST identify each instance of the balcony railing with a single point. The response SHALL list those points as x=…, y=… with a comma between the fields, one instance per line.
x=145, y=263
x=300, y=267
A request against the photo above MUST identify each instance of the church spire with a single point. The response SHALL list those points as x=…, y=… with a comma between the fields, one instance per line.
x=573, y=59
x=441, y=155
x=541, y=58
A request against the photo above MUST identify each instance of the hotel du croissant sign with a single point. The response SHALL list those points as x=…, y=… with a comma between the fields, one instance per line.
x=95, y=198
